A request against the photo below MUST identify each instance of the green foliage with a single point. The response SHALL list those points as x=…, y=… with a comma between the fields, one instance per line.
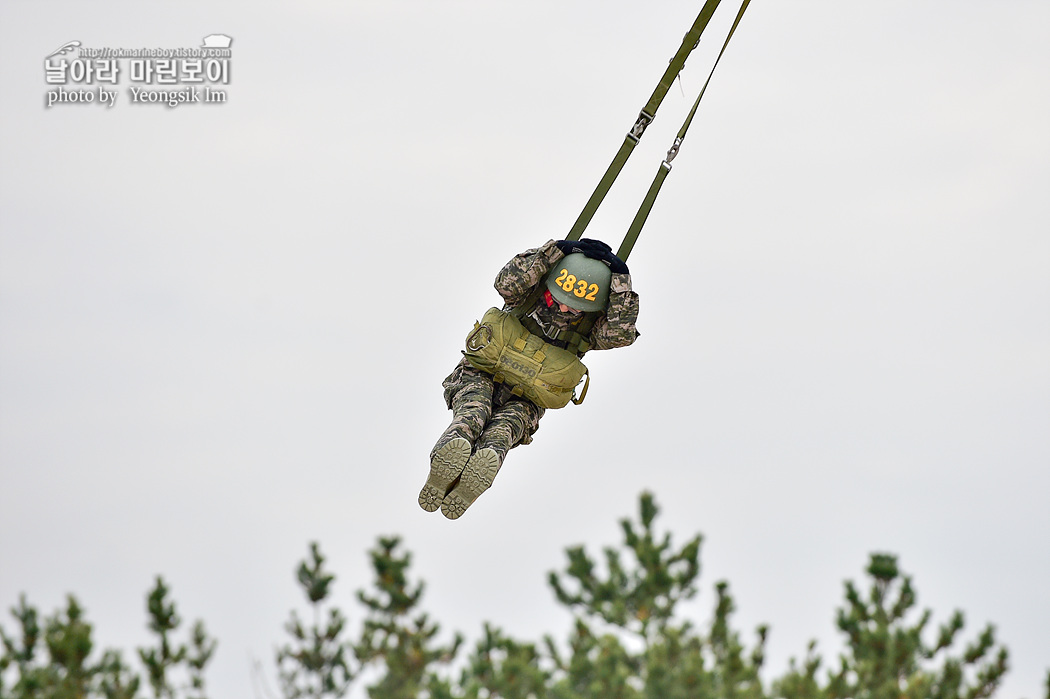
x=159, y=661
x=734, y=674
x=202, y=648
x=116, y=680
x=68, y=641
x=598, y=666
x=886, y=656
x=63, y=669
x=637, y=600
x=169, y=658
x=402, y=646
x=21, y=652
x=802, y=682
x=317, y=663
x=503, y=667
x=640, y=598
x=53, y=661
x=629, y=640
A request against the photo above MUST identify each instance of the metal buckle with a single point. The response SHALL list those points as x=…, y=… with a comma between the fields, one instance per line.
x=644, y=119
x=672, y=153
x=549, y=330
x=471, y=345
x=576, y=400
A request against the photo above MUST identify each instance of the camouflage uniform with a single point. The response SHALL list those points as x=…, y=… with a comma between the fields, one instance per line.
x=488, y=420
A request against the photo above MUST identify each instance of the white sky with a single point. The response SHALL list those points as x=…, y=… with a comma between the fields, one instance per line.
x=223, y=328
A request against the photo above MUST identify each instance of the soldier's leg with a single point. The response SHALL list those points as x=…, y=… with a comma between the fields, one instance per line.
x=468, y=393
x=511, y=424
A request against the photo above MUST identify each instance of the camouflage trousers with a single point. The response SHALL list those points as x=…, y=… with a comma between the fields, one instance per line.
x=485, y=413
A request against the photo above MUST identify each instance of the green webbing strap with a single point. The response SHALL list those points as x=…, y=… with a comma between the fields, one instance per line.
x=575, y=340
x=646, y=117
x=665, y=166
x=643, y=212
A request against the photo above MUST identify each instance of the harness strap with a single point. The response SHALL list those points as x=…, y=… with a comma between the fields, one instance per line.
x=575, y=340
x=645, y=117
x=665, y=167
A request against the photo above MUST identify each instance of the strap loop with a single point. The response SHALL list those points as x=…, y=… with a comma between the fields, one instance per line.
x=583, y=394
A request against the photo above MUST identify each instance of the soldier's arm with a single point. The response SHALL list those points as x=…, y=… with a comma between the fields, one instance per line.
x=617, y=328
x=519, y=276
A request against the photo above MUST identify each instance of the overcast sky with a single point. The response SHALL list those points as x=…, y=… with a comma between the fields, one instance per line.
x=223, y=328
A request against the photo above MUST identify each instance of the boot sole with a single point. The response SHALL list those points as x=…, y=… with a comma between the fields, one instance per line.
x=445, y=466
x=478, y=474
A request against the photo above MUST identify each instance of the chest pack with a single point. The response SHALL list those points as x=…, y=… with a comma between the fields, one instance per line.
x=547, y=375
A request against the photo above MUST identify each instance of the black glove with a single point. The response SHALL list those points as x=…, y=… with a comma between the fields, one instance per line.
x=617, y=265
x=568, y=247
x=595, y=249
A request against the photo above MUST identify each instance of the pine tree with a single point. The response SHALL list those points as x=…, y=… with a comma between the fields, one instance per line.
x=598, y=667
x=64, y=669
x=21, y=653
x=202, y=648
x=53, y=661
x=886, y=656
x=641, y=599
x=68, y=640
x=628, y=641
x=317, y=664
x=636, y=599
x=505, y=668
x=802, y=683
x=165, y=661
x=391, y=639
x=734, y=674
x=116, y=680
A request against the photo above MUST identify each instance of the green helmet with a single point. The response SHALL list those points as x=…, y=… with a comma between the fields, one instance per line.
x=580, y=282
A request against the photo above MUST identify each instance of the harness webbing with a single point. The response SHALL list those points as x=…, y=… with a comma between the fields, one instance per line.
x=690, y=41
x=575, y=340
x=645, y=117
x=665, y=167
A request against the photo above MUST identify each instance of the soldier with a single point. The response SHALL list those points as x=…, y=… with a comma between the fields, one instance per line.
x=488, y=418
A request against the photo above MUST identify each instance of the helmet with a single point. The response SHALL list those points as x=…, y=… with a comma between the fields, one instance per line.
x=580, y=282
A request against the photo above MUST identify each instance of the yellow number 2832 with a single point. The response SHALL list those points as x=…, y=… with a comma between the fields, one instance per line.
x=580, y=288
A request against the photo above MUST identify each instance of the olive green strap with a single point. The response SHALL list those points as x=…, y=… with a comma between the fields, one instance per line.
x=665, y=167
x=576, y=400
x=646, y=117
x=575, y=340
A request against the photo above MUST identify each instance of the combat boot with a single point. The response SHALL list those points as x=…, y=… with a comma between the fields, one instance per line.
x=447, y=460
x=478, y=473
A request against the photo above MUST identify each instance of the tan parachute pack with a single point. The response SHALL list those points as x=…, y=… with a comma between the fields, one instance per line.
x=547, y=375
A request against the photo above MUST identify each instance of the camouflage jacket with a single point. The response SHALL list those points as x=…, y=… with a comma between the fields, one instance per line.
x=615, y=327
